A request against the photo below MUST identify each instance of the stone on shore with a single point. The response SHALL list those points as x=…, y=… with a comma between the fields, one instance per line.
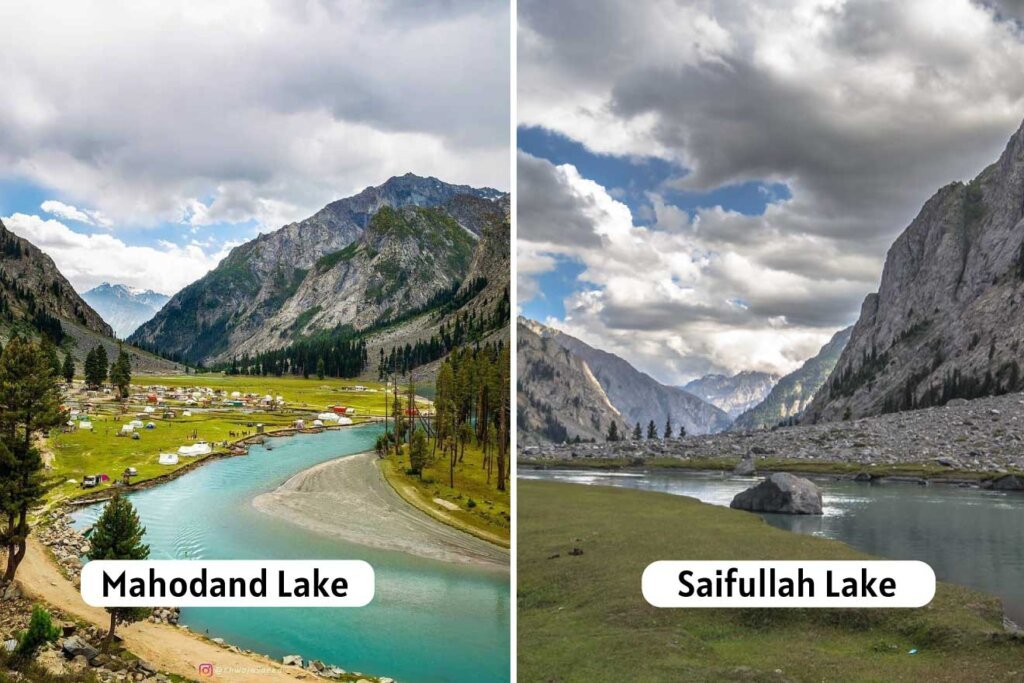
x=1008, y=482
x=781, y=492
x=746, y=467
x=74, y=646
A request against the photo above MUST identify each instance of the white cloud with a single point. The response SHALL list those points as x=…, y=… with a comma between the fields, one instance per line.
x=73, y=213
x=260, y=110
x=862, y=108
x=88, y=260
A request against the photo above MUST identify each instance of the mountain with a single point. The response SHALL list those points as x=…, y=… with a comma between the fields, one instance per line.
x=125, y=308
x=557, y=396
x=734, y=394
x=794, y=392
x=33, y=291
x=35, y=298
x=358, y=262
x=946, y=321
x=639, y=397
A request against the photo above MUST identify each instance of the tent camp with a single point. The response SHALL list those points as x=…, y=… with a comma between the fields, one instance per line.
x=168, y=458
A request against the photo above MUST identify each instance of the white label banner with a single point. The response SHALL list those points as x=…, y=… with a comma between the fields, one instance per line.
x=854, y=584
x=228, y=583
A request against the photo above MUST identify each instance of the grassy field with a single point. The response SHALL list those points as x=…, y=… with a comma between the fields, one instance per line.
x=487, y=517
x=773, y=464
x=582, y=618
x=96, y=451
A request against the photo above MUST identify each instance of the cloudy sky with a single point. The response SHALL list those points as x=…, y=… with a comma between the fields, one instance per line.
x=711, y=186
x=141, y=140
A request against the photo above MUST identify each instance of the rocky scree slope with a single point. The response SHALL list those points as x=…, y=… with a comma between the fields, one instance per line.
x=794, y=392
x=948, y=318
x=557, y=396
x=984, y=435
x=249, y=297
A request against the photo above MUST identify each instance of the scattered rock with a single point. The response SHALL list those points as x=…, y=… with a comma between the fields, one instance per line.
x=292, y=660
x=75, y=646
x=781, y=492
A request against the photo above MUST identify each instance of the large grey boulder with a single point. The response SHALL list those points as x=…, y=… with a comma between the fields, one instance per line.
x=74, y=646
x=781, y=492
x=745, y=467
x=1008, y=482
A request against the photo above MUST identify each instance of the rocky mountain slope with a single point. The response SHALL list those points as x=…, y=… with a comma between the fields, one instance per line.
x=123, y=307
x=354, y=262
x=557, y=396
x=639, y=397
x=32, y=290
x=946, y=321
x=794, y=392
x=734, y=394
x=35, y=298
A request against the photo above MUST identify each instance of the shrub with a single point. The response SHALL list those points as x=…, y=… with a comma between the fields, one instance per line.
x=471, y=503
x=41, y=630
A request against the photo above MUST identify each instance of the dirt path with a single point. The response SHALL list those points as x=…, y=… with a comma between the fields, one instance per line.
x=349, y=498
x=168, y=648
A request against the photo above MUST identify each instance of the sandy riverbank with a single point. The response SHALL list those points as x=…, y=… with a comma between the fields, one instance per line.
x=168, y=648
x=348, y=498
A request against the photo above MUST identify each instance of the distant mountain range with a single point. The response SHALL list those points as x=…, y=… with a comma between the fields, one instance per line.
x=733, y=394
x=395, y=253
x=947, y=319
x=560, y=370
x=123, y=307
x=794, y=392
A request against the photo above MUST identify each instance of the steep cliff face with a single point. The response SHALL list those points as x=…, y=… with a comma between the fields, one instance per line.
x=32, y=289
x=733, y=394
x=792, y=394
x=251, y=296
x=946, y=321
x=639, y=397
x=557, y=396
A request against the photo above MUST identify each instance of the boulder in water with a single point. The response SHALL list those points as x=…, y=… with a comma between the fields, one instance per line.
x=1008, y=482
x=746, y=467
x=781, y=492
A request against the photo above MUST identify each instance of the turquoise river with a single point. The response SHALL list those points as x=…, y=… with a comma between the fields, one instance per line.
x=429, y=622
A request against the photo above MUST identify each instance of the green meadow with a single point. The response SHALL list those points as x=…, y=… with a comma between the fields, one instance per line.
x=582, y=616
x=99, y=451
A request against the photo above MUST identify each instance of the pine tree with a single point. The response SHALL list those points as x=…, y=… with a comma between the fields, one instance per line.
x=320, y=371
x=668, y=427
x=29, y=406
x=637, y=433
x=118, y=536
x=68, y=369
x=418, y=451
x=121, y=373
x=652, y=431
x=41, y=630
x=682, y=431
x=613, y=432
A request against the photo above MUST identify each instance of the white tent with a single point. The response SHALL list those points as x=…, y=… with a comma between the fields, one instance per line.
x=136, y=424
x=344, y=420
x=127, y=429
x=318, y=423
x=168, y=458
x=198, y=448
x=236, y=394
x=329, y=417
x=150, y=409
x=187, y=413
x=85, y=424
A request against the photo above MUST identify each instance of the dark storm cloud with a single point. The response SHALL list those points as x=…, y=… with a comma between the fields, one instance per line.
x=549, y=210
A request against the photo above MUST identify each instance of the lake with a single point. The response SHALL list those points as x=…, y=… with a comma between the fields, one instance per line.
x=969, y=536
x=430, y=621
